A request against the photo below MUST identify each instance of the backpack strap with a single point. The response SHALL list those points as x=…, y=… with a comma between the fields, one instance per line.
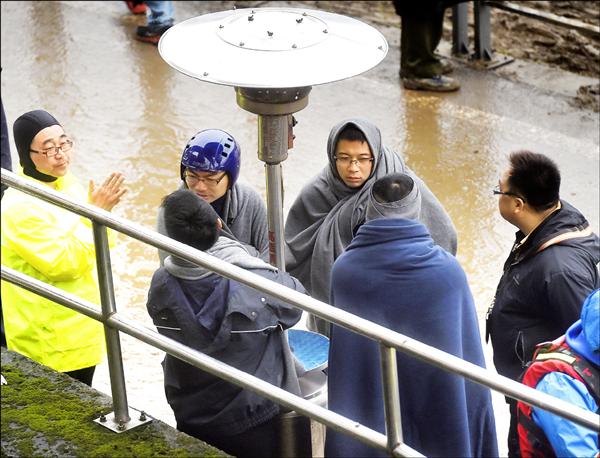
x=565, y=236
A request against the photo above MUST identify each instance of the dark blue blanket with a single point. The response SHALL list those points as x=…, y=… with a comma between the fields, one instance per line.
x=392, y=274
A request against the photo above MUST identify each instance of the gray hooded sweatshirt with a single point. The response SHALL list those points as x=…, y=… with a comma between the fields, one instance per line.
x=244, y=220
x=326, y=213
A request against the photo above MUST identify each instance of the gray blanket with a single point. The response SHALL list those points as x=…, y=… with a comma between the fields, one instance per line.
x=326, y=214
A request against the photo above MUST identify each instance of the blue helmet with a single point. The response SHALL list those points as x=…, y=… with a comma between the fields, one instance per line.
x=212, y=150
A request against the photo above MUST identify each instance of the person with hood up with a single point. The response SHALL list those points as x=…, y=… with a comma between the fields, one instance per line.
x=395, y=275
x=55, y=246
x=323, y=219
x=551, y=269
x=567, y=368
x=227, y=320
x=210, y=167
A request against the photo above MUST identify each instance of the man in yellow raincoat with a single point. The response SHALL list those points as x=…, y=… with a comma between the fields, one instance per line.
x=55, y=246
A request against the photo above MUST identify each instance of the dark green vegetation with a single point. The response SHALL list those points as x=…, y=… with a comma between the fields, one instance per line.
x=45, y=413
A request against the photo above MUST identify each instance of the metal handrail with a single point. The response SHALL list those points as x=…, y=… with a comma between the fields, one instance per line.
x=213, y=366
x=483, y=29
x=546, y=16
x=386, y=337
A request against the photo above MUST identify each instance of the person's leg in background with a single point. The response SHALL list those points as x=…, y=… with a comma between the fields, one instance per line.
x=136, y=7
x=514, y=450
x=160, y=19
x=421, y=33
x=417, y=44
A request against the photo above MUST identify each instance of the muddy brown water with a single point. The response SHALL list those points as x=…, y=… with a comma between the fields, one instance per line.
x=131, y=112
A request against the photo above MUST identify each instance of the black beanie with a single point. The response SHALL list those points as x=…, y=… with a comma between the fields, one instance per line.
x=25, y=128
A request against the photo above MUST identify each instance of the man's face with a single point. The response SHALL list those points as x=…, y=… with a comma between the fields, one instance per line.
x=354, y=162
x=506, y=202
x=208, y=185
x=46, y=158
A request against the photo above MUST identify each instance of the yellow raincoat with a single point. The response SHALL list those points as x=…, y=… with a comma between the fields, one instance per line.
x=55, y=246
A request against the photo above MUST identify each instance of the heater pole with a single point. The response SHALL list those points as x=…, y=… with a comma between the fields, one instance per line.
x=274, y=108
x=273, y=149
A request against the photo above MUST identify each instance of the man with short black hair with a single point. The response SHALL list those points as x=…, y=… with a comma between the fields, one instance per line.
x=227, y=320
x=551, y=269
x=189, y=222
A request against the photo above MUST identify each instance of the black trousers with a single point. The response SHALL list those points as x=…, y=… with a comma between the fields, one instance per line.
x=257, y=442
x=84, y=375
x=514, y=451
x=422, y=26
x=421, y=34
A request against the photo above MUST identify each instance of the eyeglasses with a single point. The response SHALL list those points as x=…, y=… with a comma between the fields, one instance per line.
x=496, y=191
x=64, y=147
x=193, y=180
x=346, y=161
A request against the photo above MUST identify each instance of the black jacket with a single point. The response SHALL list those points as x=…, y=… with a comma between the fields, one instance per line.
x=541, y=292
x=233, y=323
x=423, y=8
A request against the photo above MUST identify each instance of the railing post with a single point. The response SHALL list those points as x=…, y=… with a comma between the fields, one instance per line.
x=483, y=42
x=391, y=397
x=113, y=343
x=460, y=29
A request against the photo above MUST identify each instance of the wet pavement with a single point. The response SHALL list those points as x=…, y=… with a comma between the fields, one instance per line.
x=129, y=111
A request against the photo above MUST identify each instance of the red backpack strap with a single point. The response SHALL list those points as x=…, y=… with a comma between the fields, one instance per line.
x=549, y=357
x=532, y=440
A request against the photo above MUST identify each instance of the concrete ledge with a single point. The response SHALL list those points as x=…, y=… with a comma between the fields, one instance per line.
x=47, y=413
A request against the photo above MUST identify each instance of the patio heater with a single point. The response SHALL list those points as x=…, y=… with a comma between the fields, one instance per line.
x=272, y=57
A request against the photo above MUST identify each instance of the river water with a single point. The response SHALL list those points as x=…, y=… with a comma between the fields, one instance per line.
x=129, y=111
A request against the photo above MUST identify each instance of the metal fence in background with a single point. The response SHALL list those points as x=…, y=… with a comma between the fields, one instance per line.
x=482, y=13
x=389, y=340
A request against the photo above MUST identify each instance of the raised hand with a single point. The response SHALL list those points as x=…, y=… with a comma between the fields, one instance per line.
x=109, y=194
